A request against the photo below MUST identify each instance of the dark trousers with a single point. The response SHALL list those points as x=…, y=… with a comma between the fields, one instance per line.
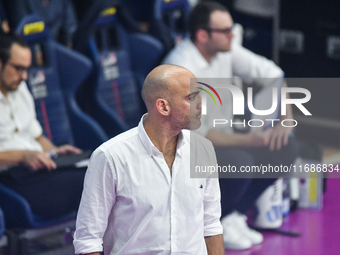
x=49, y=194
x=240, y=194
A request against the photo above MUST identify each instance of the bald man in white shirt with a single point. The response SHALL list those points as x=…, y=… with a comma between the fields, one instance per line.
x=138, y=195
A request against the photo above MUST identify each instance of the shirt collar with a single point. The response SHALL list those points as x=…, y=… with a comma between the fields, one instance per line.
x=197, y=57
x=147, y=143
x=1, y=96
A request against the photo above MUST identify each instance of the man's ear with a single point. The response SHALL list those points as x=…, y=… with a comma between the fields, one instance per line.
x=163, y=107
x=202, y=36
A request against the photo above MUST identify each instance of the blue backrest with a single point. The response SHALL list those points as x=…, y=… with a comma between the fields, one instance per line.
x=2, y=223
x=116, y=85
x=171, y=15
x=44, y=83
x=117, y=81
x=46, y=80
x=19, y=214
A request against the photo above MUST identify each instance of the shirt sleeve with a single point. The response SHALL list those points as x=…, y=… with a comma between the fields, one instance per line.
x=246, y=64
x=35, y=128
x=97, y=200
x=212, y=203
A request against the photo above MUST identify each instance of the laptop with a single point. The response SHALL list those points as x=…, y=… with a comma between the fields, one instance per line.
x=71, y=160
x=63, y=161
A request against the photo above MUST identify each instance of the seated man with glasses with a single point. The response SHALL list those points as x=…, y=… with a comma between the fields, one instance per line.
x=25, y=153
x=211, y=53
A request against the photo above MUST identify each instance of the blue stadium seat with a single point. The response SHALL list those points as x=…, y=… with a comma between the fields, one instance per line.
x=170, y=21
x=122, y=60
x=2, y=224
x=28, y=231
x=53, y=79
x=55, y=76
x=3, y=238
x=19, y=214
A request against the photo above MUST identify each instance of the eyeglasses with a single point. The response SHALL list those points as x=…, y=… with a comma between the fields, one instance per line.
x=225, y=31
x=20, y=69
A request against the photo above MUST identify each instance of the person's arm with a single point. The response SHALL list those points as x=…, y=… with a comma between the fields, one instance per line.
x=214, y=245
x=48, y=146
x=212, y=211
x=97, y=201
x=35, y=160
x=280, y=134
x=45, y=143
x=256, y=138
x=247, y=64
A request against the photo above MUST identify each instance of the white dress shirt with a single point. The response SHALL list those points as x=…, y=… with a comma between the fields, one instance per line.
x=260, y=8
x=18, y=124
x=131, y=204
x=238, y=62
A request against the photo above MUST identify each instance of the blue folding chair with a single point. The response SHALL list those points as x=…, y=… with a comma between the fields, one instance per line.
x=3, y=238
x=63, y=122
x=2, y=224
x=55, y=76
x=122, y=60
x=170, y=21
x=31, y=234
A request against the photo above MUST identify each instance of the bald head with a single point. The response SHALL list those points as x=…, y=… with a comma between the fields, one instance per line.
x=162, y=81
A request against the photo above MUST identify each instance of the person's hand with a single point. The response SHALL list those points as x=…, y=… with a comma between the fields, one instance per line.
x=38, y=160
x=258, y=138
x=64, y=149
x=279, y=137
x=5, y=26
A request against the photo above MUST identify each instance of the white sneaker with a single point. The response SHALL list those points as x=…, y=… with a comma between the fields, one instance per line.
x=254, y=236
x=232, y=237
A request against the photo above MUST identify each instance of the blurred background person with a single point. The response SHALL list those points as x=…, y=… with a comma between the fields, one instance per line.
x=25, y=153
x=59, y=16
x=3, y=18
x=210, y=53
